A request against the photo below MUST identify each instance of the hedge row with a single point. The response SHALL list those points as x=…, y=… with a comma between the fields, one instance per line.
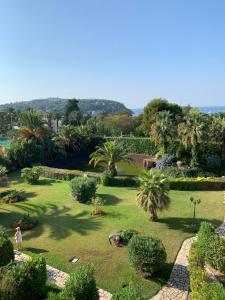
x=64, y=174
x=197, y=184
x=120, y=181
x=136, y=145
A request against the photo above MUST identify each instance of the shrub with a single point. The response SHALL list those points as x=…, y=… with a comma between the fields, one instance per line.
x=6, y=250
x=120, y=181
x=185, y=172
x=3, y=171
x=25, y=281
x=127, y=234
x=64, y=174
x=205, y=234
x=83, y=189
x=25, y=222
x=211, y=291
x=12, y=196
x=31, y=175
x=129, y=292
x=146, y=254
x=164, y=162
x=81, y=285
x=215, y=253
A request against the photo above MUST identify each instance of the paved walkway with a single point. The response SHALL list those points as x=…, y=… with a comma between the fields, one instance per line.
x=58, y=277
x=177, y=287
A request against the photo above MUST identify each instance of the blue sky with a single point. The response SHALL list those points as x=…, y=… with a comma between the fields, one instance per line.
x=126, y=50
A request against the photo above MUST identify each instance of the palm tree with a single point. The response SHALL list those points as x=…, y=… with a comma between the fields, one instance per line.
x=192, y=133
x=154, y=193
x=162, y=130
x=32, y=125
x=110, y=153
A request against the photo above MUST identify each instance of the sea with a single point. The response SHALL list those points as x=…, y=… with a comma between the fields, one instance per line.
x=204, y=109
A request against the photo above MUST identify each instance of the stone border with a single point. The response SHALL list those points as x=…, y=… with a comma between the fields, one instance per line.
x=177, y=287
x=58, y=277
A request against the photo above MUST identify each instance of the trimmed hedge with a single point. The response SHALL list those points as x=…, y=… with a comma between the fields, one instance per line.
x=64, y=174
x=120, y=181
x=197, y=184
x=137, y=145
x=83, y=189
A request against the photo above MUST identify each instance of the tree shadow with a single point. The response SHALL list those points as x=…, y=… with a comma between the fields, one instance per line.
x=110, y=199
x=186, y=224
x=36, y=250
x=29, y=195
x=46, y=181
x=58, y=221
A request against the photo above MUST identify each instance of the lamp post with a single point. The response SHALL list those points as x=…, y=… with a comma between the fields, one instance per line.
x=194, y=202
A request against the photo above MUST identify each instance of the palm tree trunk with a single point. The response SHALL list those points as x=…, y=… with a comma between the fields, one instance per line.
x=112, y=169
x=153, y=216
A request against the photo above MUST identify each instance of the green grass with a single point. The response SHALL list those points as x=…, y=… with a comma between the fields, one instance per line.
x=66, y=228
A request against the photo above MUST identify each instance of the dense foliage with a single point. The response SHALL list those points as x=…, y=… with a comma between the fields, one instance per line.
x=31, y=175
x=83, y=189
x=6, y=250
x=81, y=285
x=129, y=292
x=146, y=254
x=209, y=248
x=24, y=281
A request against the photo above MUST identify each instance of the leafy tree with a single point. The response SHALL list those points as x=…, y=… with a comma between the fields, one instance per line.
x=109, y=153
x=163, y=130
x=155, y=106
x=154, y=193
x=72, y=114
x=68, y=138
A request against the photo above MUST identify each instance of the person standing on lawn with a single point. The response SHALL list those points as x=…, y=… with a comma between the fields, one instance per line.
x=18, y=238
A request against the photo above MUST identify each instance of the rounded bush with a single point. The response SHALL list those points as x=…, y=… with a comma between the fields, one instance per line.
x=83, y=189
x=146, y=254
x=81, y=285
x=6, y=250
x=31, y=175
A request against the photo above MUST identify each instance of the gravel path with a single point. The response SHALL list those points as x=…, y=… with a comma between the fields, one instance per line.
x=58, y=277
x=177, y=287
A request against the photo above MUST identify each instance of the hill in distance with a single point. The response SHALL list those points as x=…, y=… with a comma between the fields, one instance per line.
x=87, y=106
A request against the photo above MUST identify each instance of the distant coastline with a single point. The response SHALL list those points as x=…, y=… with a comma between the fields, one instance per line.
x=204, y=109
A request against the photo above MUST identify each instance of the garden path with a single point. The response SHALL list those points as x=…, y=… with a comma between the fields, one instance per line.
x=58, y=277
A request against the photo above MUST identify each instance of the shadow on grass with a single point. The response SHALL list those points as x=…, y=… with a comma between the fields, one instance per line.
x=57, y=221
x=47, y=181
x=110, y=199
x=186, y=224
x=36, y=250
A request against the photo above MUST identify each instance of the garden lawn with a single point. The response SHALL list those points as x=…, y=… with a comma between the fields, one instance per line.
x=66, y=228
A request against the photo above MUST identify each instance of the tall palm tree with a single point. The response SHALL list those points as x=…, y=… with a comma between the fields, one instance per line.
x=154, y=193
x=163, y=130
x=192, y=133
x=32, y=125
x=68, y=138
x=110, y=153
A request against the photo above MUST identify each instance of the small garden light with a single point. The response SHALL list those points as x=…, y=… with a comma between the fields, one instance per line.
x=195, y=202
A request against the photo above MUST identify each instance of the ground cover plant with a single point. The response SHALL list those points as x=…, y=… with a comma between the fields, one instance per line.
x=67, y=229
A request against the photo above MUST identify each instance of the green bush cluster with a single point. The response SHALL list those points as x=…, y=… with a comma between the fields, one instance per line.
x=129, y=292
x=208, y=248
x=6, y=250
x=31, y=175
x=80, y=285
x=201, y=289
x=64, y=174
x=137, y=145
x=197, y=184
x=24, y=281
x=83, y=189
x=127, y=234
x=146, y=254
x=186, y=172
x=120, y=181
